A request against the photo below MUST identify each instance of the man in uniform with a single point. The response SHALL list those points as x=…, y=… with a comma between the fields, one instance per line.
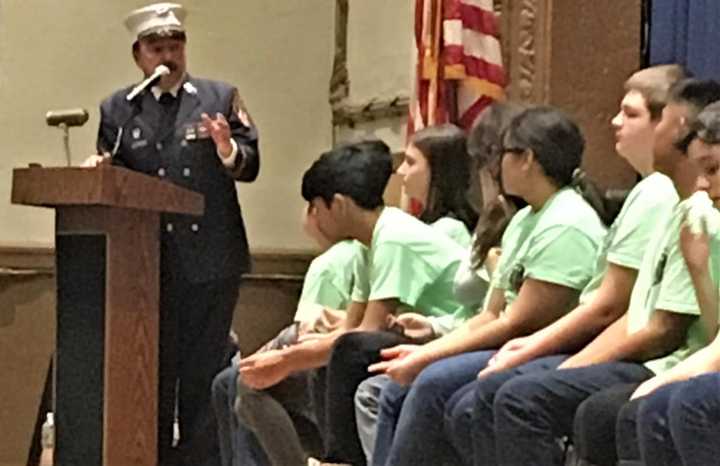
x=194, y=133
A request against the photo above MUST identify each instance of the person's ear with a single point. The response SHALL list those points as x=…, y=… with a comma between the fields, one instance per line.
x=136, y=51
x=530, y=159
x=339, y=203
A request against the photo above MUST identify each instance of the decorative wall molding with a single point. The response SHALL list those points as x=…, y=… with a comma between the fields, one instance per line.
x=350, y=115
x=18, y=262
x=526, y=48
x=340, y=79
x=344, y=113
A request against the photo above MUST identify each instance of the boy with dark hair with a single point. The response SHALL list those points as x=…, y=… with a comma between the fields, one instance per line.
x=408, y=265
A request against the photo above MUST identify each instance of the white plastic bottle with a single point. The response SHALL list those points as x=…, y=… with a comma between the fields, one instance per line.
x=47, y=440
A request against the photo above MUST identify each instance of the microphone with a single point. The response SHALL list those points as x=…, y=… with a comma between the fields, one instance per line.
x=160, y=70
x=67, y=117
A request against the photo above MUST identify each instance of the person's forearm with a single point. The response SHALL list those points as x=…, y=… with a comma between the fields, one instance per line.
x=354, y=316
x=484, y=331
x=310, y=354
x=615, y=344
x=464, y=338
x=707, y=297
x=377, y=314
x=571, y=331
x=701, y=362
x=610, y=345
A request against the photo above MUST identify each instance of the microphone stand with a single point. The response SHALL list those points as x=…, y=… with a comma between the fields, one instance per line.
x=66, y=143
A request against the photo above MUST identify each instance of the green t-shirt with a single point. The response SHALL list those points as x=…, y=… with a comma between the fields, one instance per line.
x=556, y=244
x=329, y=279
x=412, y=262
x=455, y=229
x=651, y=200
x=664, y=283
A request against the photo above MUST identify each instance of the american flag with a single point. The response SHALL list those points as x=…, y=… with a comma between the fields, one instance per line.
x=459, y=63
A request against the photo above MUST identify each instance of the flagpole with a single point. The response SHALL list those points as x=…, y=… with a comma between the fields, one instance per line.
x=435, y=61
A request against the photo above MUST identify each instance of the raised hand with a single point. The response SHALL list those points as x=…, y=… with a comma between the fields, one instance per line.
x=219, y=130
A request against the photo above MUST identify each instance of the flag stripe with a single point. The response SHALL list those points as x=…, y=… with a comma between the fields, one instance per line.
x=470, y=115
x=475, y=44
x=471, y=66
x=474, y=17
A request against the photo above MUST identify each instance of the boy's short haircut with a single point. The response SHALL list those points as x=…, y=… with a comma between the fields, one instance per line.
x=654, y=84
x=695, y=94
x=360, y=171
x=706, y=127
x=707, y=124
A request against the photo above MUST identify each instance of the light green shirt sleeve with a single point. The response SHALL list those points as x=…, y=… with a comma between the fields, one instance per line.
x=361, y=281
x=453, y=229
x=329, y=279
x=320, y=288
x=676, y=292
x=398, y=272
x=562, y=255
x=631, y=236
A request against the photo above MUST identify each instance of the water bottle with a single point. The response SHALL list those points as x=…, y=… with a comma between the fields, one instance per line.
x=176, y=433
x=47, y=440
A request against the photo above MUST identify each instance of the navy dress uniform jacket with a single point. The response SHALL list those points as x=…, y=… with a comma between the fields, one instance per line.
x=205, y=248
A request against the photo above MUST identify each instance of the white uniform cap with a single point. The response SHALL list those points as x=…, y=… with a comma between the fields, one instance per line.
x=158, y=18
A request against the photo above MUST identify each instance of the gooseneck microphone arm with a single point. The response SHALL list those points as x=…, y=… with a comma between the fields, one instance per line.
x=160, y=71
x=136, y=110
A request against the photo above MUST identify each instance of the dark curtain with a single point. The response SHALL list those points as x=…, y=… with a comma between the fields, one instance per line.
x=686, y=32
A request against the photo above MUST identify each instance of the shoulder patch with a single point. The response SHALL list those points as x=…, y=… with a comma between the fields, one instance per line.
x=238, y=107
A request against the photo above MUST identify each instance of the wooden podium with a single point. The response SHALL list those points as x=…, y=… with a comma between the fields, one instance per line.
x=107, y=242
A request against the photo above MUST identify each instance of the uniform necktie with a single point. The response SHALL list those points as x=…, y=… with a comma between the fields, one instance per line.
x=170, y=106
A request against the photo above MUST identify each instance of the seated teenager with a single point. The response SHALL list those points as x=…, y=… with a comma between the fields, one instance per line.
x=337, y=187
x=326, y=290
x=520, y=414
x=662, y=417
x=473, y=277
x=547, y=257
x=435, y=177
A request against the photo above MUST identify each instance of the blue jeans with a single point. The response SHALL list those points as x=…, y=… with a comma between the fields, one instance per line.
x=418, y=435
x=679, y=424
x=605, y=428
x=238, y=445
x=367, y=410
x=468, y=429
x=531, y=412
x=284, y=417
